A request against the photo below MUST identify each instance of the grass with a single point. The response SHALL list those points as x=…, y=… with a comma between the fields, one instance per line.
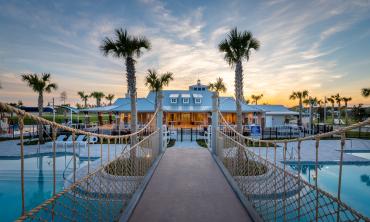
x=202, y=143
x=171, y=143
x=244, y=167
x=126, y=167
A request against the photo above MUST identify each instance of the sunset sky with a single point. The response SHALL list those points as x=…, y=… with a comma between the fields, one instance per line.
x=321, y=46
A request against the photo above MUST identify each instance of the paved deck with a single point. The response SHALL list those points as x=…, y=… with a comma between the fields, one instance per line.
x=188, y=186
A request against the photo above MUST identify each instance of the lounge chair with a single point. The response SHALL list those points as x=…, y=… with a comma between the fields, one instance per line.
x=79, y=139
x=59, y=140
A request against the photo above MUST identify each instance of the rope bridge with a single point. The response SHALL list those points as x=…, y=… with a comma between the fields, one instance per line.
x=101, y=190
x=276, y=193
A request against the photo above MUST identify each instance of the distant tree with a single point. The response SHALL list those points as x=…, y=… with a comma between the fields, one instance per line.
x=19, y=103
x=156, y=82
x=311, y=102
x=218, y=87
x=365, y=92
x=98, y=97
x=332, y=102
x=358, y=113
x=63, y=97
x=338, y=99
x=127, y=47
x=300, y=95
x=255, y=98
x=40, y=83
x=109, y=97
x=236, y=47
x=346, y=100
x=84, y=97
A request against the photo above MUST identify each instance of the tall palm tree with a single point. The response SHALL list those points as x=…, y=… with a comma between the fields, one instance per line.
x=256, y=98
x=218, y=87
x=40, y=83
x=98, y=96
x=84, y=97
x=127, y=47
x=338, y=99
x=332, y=101
x=311, y=102
x=110, y=98
x=365, y=92
x=300, y=95
x=346, y=100
x=238, y=46
x=156, y=83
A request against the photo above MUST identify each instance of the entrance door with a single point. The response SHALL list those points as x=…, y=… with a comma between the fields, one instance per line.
x=185, y=119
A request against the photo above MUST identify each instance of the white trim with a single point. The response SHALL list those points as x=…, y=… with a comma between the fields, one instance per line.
x=174, y=95
x=197, y=100
x=186, y=99
x=173, y=100
x=185, y=95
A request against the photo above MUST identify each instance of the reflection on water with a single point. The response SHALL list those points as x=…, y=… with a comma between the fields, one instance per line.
x=38, y=184
x=355, y=183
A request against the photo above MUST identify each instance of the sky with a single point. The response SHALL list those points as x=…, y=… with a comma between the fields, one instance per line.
x=321, y=46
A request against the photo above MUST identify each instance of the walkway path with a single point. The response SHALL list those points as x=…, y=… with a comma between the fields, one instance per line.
x=188, y=186
x=187, y=145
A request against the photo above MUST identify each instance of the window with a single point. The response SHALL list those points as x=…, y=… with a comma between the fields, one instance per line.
x=198, y=100
x=173, y=100
x=185, y=100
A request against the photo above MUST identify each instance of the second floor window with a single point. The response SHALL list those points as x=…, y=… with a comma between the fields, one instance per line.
x=185, y=100
x=173, y=100
x=198, y=100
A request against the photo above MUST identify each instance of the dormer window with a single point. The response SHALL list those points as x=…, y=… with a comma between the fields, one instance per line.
x=173, y=100
x=185, y=100
x=197, y=98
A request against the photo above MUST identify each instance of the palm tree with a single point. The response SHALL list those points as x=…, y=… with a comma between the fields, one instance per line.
x=332, y=101
x=300, y=95
x=238, y=46
x=98, y=96
x=84, y=97
x=156, y=82
x=311, y=101
x=127, y=47
x=218, y=87
x=338, y=99
x=40, y=83
x=109, y=97
x=256, y=98
x=346, y=100
x=365, y=92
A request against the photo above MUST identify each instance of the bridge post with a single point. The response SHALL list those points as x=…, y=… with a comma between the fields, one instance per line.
x=160, y=121
x=214, y=122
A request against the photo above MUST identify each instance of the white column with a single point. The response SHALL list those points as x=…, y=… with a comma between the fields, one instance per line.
x=214, y=123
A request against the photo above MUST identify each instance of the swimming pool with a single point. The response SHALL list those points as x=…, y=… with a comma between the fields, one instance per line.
x=38, y=181
x=355, y=183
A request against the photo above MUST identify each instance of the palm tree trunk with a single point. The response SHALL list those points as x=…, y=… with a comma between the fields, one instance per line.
x=39, y=127
x=346, y=113
x=85, y=103
x=239, y=95
x=300, y=112
x=156, y=101
x=131, y=82
x=332, y=114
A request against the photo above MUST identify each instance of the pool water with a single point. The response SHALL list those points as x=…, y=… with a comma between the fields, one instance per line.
x=355, y=183
x=38, y=182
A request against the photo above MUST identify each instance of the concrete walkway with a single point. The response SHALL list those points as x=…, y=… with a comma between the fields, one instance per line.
x=188, y=186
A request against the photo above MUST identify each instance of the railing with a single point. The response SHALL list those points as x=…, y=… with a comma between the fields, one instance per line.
x=276, y=193
x=101, y=190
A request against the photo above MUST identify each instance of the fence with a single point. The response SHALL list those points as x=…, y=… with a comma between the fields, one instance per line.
x=276, y=193
x=101, y=190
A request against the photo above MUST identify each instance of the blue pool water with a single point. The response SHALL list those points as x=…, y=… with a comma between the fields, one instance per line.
x=355, y=183
x=38, y=182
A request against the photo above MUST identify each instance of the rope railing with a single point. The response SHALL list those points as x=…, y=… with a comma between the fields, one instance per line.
x=98, y=191
x=274, y=186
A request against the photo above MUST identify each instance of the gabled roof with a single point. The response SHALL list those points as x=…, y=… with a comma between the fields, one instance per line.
x=227, y=104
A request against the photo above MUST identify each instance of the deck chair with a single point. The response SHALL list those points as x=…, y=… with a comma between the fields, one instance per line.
x=77, y=141
x=59, y=140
